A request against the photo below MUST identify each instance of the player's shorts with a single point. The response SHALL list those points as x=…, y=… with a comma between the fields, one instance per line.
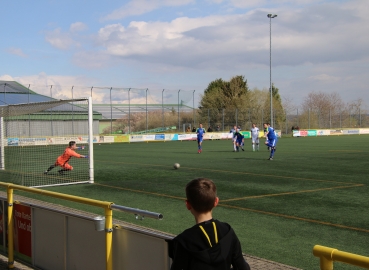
x=239, y=142
x=272, y=143
x=255, y=139
x=64, y=165
x=199, y=140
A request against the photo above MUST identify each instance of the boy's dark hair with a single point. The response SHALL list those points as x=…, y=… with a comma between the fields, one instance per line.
x=201, y=194
x=71, y=143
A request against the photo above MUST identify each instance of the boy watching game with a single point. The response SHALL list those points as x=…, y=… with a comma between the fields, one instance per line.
x=210, y=244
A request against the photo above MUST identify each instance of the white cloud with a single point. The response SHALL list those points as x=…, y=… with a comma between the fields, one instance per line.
x=6, y=77
x=77, y=27
x=138, y=7
x=17, y=52
x=59, y=87
x=60, y=40
x=315, y=34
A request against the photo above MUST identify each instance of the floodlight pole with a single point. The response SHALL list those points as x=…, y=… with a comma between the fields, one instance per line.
x=178, y=111
x=129, y=111
x=162, y=105
x=72, y=114
x=146, y=110
x=271, y=16
x=193, y=100
x=111, y=114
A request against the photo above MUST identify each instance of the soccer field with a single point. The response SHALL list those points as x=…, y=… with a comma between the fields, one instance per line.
x=315, y=191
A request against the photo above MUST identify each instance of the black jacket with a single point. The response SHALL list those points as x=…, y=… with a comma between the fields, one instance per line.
x=191, y=250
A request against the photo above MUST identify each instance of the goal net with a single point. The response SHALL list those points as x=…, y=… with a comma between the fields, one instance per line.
x=34, y=135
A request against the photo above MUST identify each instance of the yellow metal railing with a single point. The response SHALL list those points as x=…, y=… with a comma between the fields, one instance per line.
x=328, y=255
x=102, y=204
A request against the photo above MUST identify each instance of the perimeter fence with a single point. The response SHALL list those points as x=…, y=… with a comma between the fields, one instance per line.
x=134, y=110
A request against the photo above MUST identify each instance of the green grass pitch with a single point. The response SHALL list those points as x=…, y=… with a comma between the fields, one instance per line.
x=315, y=191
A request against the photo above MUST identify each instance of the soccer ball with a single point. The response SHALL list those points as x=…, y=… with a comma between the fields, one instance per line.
x=176, y=166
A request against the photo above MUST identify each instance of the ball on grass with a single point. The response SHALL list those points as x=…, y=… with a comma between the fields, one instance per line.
x=176, y=166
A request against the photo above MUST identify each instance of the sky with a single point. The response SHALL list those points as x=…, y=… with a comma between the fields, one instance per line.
x=316, y=46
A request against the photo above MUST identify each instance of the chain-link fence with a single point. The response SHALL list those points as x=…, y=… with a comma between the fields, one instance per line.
x=133, y=110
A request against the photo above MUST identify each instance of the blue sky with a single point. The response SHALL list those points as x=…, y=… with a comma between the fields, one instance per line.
x=317, y=45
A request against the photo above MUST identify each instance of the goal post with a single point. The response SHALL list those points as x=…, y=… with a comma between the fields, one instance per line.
x=33, y=135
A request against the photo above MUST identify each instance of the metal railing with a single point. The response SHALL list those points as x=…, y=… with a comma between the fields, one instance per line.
x=107, y=206
x=328, y=255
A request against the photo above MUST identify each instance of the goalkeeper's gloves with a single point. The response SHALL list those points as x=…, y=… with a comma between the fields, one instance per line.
x=85, y=156
x=81, y=147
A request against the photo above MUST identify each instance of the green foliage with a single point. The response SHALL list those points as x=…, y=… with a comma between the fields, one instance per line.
x=223, y=94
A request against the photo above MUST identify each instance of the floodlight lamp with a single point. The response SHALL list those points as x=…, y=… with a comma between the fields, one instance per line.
x=272, y=15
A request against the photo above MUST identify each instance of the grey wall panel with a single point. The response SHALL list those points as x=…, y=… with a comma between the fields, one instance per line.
x=133, y=250
x=37, y=128
x=48, y=239
x=85, y=245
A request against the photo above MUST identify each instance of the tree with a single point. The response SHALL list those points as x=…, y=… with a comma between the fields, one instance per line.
x=222, y=95
x=319, y=108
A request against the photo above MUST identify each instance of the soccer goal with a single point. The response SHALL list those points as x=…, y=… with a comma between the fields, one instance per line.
x=34, y=135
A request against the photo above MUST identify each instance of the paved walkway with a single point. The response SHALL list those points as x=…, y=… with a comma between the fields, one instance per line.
x=255, y=262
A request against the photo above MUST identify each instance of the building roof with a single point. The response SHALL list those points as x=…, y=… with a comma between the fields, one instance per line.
x=13, y=93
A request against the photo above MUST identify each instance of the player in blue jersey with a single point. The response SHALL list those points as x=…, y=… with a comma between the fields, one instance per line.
x=239, y=140
x=200, y=131
x=271, y=139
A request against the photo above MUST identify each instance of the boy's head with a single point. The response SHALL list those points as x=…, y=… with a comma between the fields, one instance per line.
x=72, y=144
x=201, y=194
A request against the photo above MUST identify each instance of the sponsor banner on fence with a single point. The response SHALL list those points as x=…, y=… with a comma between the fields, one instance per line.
x=300, y=133
x=212, y=136
x=107, y=139
x=335, y=132
x=228, y=135
x=323, y=132
x=171, y=137
x=188, y=137
x=351, y=131
x=22, y=229
x=159, y=137
x=13, y=141
x=304, y=133
x=246, y=134
x=141, y=138
x=120, y=138
x=65, y=140
x=364, y=131
x=32, y=141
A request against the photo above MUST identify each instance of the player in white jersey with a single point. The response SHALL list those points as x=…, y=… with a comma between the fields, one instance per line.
x=234, y=137
x=255, y=137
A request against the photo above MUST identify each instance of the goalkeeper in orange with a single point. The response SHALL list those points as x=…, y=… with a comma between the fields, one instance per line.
x=63, y=160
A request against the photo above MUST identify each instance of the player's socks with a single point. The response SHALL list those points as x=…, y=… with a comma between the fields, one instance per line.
x=272, y=152
x=253, y=147
x=61, y=172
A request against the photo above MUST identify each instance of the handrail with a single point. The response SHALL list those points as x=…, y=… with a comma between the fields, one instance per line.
x=107, y=206
x=328, y=255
